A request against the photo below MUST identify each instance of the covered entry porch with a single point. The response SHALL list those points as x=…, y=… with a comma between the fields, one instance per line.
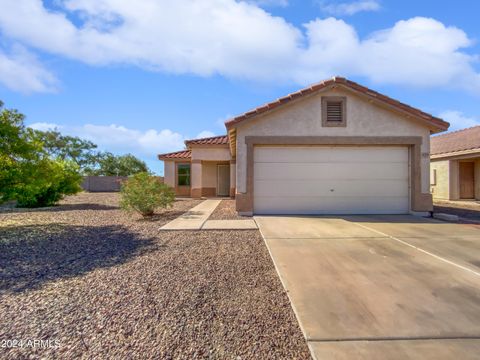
x=456, y=178
x=212, y=179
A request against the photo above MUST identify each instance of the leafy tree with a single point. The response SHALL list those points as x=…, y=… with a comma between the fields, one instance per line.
x=27, y=173
x=108, y=164
x=50, y=181
x=144, y=194
x=70, y=148
x=90, y=162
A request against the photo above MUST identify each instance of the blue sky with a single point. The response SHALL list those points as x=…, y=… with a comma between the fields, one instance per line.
x=142, y=76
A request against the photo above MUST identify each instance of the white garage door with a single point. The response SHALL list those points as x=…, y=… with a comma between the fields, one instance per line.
x=331, y=180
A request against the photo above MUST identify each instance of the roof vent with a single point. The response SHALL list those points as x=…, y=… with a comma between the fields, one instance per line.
x=335, y=110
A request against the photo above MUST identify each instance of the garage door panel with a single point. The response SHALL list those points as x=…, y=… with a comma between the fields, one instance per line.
x=331, y=180
x=328, y=188
x=328, y=154
x=310, y=171
x=328, y=205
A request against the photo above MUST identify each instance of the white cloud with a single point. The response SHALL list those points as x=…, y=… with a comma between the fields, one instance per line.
x=458, y=120
x=205, y=134
x=238, y=39
x=120, y=139
x=418, y=52
x=269, y=3
x=349, y=8
x=43, y=126
x=21, y=71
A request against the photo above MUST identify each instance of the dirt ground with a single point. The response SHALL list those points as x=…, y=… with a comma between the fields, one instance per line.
x=101, y=283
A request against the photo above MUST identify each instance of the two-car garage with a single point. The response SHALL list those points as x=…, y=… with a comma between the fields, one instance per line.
x=331, y=180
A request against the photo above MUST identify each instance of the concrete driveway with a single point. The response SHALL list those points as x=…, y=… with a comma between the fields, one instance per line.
x=380, y=287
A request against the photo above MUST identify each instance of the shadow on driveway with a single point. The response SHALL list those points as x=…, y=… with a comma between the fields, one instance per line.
x=32, y=255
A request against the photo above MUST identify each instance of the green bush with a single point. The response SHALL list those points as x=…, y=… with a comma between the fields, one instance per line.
x=28, y=175
x=50, y=181
x=144, y=194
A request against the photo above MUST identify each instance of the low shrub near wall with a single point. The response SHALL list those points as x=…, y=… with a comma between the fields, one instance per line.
x=144, y=194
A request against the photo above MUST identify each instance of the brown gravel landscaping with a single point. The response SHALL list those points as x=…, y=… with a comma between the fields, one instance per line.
x=108, y=284
x=226, y=211
x=468, y=210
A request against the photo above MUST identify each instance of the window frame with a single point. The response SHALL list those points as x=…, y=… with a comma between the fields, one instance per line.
x=189, y=176
x=330, y=123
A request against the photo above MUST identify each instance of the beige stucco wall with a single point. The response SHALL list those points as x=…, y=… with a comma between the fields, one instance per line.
x=454, y=177
x=209, y=175
x=303, y=118
x=233, y=175
x=211, y=153
x=477, y=179
x=169, y=173
x=441, y=188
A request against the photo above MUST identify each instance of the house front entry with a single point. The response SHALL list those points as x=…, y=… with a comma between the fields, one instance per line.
x=467, y=180
x=223, y=180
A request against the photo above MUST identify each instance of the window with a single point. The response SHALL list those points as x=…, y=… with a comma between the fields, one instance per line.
x=334, y=111
x=183, y=174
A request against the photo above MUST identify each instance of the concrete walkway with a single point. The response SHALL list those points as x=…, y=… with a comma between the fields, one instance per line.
x=194, y=218
x=197, y=219
x=380, y=287
x=230, y=225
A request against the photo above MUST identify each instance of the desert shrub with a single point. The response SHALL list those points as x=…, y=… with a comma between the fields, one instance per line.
x=144, y=194
x=50, y=181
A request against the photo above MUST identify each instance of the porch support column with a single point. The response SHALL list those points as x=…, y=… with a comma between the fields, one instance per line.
x=196, y=175
x=477, y=179
x=454, y=179
x=233, y=177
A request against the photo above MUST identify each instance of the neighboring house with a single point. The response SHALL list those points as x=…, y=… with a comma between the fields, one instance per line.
x=335, y=147
x=455, y=165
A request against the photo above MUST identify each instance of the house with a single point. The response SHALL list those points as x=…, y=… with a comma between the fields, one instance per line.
x=335, y=147
x=455, y=165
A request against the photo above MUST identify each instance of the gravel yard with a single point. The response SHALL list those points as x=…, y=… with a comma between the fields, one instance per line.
x=469, y=210
x=106, y=284
x=226, y=211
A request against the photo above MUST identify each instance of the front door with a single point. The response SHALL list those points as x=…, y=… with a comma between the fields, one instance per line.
x=467, y=180
x=223, y=180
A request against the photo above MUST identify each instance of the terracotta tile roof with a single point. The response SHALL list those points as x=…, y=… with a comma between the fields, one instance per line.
x=183, y=154
x=214, y=140
x=461, y=140
x=438, y=123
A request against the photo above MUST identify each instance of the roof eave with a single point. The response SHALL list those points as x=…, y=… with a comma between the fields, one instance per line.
x=454, y=154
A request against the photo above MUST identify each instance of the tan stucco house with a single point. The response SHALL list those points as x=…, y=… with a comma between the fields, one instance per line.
x=455, y=165
x=335, y=147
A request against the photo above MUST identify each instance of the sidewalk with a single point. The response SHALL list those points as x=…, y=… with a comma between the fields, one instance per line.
x=197, y=219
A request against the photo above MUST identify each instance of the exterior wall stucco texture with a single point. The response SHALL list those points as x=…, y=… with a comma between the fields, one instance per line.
x=303, y=118
x=441, y=188
x=477, y=179
x=209, y=175
x=169, y=173
x=211, y=153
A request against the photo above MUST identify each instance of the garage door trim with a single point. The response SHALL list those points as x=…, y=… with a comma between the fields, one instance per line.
x=418, y=201
x=330, y=180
